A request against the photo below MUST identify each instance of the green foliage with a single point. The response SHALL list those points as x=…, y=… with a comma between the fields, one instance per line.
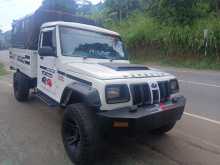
x=141, y=31
x=2, y=70
x=4, y=40
x=1, y=38
x=189, y=62
x=85, y=7
x=178, y=11
x=137, y=29
x=99, y=15
x=119, y=10
x=214, y=4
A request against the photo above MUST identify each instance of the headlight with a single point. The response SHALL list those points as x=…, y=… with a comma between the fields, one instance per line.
x=117, y=94
x=174, y=86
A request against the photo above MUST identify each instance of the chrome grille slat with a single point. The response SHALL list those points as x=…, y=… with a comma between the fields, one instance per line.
x=155, y=96
x=164, y=90
x=142, y=94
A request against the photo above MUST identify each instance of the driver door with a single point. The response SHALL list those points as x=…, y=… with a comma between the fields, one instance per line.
x=47, y=64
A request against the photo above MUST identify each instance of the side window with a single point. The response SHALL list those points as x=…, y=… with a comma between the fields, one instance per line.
x=49, y=39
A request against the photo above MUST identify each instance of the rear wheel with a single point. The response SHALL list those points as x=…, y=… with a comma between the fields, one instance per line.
x=80, y=134
x=21, y=87
x=164, y=129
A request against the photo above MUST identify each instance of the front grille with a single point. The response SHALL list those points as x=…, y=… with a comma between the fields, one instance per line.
x=155, y=96
x=164, y=90
x=141, y=94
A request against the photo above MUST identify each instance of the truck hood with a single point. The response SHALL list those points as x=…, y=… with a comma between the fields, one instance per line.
x=107, y=71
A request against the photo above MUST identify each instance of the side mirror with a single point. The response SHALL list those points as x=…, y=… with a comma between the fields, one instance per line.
x=46, y=51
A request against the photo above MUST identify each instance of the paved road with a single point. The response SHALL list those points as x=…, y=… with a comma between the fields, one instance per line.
x=30, y=133
x=202, y=89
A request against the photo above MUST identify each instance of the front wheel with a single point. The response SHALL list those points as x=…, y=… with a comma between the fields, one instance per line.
x=80, y=134
x=164, y=129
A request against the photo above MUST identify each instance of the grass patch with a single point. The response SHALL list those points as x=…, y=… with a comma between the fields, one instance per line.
x=179, y=61
x=2, y=70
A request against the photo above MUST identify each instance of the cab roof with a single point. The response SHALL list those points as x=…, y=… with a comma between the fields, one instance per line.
x=80, y=26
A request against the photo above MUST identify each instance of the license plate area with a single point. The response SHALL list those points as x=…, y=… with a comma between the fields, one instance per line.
x=167, y=105
x=120, y=124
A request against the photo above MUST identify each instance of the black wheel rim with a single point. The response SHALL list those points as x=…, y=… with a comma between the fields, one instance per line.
x=71, y=135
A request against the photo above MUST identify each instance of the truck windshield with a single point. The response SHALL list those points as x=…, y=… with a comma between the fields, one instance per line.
x=81, y=43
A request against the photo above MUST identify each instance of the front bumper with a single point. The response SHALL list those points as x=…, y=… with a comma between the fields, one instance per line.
x=144, y=118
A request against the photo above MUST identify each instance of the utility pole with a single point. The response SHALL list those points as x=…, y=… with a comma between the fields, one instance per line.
x=206, y=31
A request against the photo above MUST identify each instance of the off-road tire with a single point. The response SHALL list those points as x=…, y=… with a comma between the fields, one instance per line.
x=164, y=129
x=21, y=87
x=79, y=121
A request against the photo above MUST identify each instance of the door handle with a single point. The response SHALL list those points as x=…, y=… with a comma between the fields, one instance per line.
x=41, y=58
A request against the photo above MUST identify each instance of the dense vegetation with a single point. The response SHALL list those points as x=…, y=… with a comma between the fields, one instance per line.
x=167, y=31
x=2, y=40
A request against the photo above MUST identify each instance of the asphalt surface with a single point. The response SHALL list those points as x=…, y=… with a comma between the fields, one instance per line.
x=30, y=132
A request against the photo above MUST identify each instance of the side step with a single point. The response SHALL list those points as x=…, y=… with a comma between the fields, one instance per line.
x=46, y=99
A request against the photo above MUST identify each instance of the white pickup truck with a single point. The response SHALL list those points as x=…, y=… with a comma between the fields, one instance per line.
x=85, y=69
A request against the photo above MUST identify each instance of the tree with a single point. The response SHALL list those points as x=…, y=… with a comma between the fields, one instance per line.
x=121, y=9
x=84, y=7
x=60, y=5
x=175, y=11
x=215, y=5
